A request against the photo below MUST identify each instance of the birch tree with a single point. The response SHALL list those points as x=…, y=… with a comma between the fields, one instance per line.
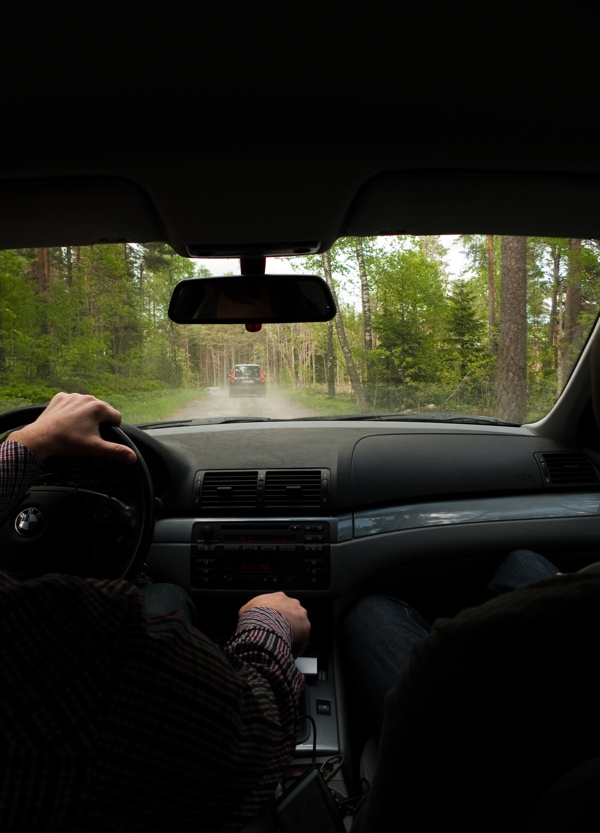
x=353, y=373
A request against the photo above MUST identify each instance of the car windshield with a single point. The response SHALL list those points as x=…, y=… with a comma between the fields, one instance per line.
x=437, y=327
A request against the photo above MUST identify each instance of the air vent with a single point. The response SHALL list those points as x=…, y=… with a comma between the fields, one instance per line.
x=566, y=468
x=227, y=490
x=300, y=490
x=273, y=492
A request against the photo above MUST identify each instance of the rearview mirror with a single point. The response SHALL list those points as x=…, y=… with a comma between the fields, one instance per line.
x=264, y=299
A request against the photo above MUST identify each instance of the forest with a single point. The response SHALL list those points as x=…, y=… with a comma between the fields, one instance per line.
x=499, y=339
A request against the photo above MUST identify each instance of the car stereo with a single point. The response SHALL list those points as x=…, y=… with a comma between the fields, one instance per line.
x=260, y=556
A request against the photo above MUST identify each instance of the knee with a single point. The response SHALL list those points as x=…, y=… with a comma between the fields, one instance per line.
x=518, y=569
x=163, y=598
x=369, y=616
x=369, y=608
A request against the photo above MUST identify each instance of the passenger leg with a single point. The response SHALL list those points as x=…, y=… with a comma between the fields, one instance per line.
x=518, y=569
x=378, y=637
x=162, y=598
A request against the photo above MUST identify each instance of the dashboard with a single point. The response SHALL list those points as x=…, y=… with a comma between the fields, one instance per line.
x=319, y=508
x=329, y=510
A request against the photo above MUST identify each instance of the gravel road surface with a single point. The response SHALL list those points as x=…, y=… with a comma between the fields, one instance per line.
x=219, y=403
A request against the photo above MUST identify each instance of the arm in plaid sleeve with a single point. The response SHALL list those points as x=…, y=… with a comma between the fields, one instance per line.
x=119, y=720
x=18, y=468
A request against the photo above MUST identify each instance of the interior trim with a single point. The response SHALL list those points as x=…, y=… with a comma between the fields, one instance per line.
x=519, y=508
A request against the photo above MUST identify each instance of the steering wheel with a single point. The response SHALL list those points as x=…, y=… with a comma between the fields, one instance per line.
x=85, y=516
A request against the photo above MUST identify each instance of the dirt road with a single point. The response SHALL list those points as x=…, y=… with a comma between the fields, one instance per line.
x=219, y=403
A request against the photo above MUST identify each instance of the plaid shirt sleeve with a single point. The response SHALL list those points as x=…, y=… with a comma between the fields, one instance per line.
x=18, y=468
x=116, y=720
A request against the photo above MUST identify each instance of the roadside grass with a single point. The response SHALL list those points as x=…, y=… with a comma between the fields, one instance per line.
x=152, y=406
x=345, y=403
x=135, y=406
x=317, y=400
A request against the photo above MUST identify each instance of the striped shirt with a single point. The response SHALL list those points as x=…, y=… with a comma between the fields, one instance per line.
x=111, y=719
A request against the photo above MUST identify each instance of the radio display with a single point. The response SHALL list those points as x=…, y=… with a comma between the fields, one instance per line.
x=259, y=567
x=260, y=539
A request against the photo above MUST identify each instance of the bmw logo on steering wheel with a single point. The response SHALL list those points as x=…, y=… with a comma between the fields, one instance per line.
x=29, y=522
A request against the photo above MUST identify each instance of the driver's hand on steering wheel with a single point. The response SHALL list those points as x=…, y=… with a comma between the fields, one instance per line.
x=70, y=425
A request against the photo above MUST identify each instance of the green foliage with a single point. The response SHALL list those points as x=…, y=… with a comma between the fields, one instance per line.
x=408, y=300
x=464, y=351
x=17, y=396
x=99, y=324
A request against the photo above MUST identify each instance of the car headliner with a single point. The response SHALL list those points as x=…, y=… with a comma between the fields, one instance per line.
x=270, y=128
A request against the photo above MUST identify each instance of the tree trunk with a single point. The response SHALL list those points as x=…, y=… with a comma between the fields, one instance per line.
x=330, y=361
x=553, y=322
x=511, y=379
x=573, y=330
x=341, y=332
x=366, y=295
x=171, y=353
x=142, y=339
x=43, y=281
x=69, y=253
x=491, y=296
x=366, y=313
x=42, y=273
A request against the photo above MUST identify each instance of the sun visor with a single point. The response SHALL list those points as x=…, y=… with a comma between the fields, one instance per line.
x=477, y=202
x=78, y=211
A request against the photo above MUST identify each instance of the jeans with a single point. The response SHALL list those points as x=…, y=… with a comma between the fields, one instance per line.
x=380, y=631
x=162, y=598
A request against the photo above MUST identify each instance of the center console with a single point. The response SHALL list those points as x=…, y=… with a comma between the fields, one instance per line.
x=318, y=725
x=260, y=556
